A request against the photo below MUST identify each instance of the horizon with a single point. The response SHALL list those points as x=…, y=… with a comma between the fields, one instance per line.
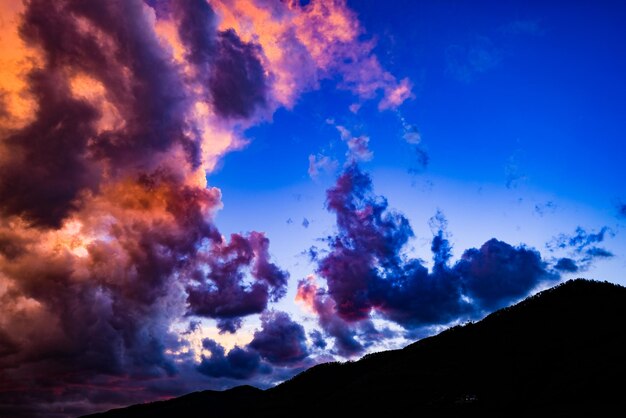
x=201, y=194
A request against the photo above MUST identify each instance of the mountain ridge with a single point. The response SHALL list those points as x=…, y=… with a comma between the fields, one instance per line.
x=553, y=352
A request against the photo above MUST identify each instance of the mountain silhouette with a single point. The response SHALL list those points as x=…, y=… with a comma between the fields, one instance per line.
x=559, y=353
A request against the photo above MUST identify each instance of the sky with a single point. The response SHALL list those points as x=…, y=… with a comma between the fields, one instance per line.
x=202, y=194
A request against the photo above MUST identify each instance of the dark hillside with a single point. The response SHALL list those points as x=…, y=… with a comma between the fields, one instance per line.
x=559, y=353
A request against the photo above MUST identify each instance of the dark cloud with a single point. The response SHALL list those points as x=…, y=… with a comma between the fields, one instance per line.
x=154, y=102
x=594, y=252
x=498, y=273
x=239, y=363
x=280, y=340
x=219, y=289
x=230, y=325
x=47, y=167
x=237, y=80
x=106, y=238
x=366, y=271
x=317, y=339
x=343, y=332
x=567, y=265
x=197, y=30
x=229, y=69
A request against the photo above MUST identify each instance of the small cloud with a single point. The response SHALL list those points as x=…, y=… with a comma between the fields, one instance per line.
x=412, y=135
x=397, y=94
x=358, y=149
x=358, y=146
x=542, y=209
x=512, y=171
x=420, y=161
x=566, y=265
x=321, y=164
x=317, y=339
x=523, y=27
x=599, y=252
x=465, y=62
x=410, y=132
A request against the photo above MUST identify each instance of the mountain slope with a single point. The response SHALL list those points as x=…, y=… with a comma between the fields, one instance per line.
x=559, y=353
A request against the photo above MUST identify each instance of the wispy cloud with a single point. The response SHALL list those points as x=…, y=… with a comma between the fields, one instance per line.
x=466, y=61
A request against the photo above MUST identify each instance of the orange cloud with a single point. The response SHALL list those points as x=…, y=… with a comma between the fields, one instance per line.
x=303, y=44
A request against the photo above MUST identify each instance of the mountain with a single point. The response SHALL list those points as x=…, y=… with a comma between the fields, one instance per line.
x=559, y=353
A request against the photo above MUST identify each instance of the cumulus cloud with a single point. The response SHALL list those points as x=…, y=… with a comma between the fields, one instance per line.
x=239, y=363
x=217, y=290
x=366, y=271
x=280, y=340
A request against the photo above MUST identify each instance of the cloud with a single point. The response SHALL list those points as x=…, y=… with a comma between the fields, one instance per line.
x=420, y=161
x=239, y=363
x=303, y=44
x=321, y=164
x=112, y=114
x=237, y=81
x=221, y=292
x=280, y=340
x=464, y=62
x=358, y=146
x=411, y=134
x=317, y=339
x=582, y=248
x=513, y=172
x=567, y=265
x=542, y=209
x=523, y=27
x=366, y=271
